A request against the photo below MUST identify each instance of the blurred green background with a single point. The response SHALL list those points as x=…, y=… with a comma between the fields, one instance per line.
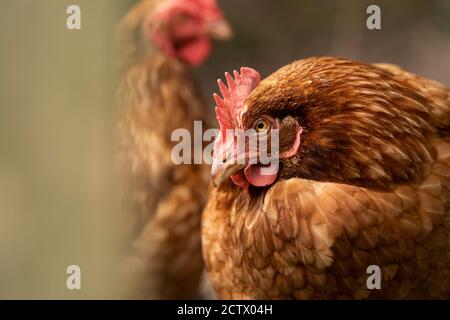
x=415, y=34
x=57, y=202
x=58, y=199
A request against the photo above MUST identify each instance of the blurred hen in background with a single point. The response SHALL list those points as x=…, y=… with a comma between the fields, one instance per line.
x=160, y=42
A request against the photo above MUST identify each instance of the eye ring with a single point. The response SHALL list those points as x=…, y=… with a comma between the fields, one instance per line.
x=261, y=125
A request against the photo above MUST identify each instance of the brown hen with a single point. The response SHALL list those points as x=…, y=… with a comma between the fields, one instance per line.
x=160, y=41
x=363, y=179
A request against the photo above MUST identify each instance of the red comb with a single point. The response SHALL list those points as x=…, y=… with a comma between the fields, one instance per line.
x=201, y=4
x=233, y=96
x=207, y=9
x=211, y=3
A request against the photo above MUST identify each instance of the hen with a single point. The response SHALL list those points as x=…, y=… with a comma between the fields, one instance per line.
x=363, y=178
x=160, y=41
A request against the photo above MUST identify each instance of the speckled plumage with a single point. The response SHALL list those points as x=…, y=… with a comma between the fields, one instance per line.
x=370, y=185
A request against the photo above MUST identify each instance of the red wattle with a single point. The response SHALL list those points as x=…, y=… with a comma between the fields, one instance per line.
x=257, y=178
x=240, y=181
x=195, y=52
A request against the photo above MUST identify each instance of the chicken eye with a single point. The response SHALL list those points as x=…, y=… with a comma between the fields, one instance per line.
x=181, y=18
x=261, y=125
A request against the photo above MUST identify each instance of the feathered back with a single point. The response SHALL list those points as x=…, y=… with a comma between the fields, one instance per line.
x=437, y=94
x=361, y=124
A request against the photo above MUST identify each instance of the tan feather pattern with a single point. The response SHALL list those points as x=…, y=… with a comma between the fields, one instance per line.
x=384, y=201
x=322, y=244
x=437, y=94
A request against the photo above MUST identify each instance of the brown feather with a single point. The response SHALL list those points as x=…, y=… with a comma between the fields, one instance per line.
x=163, y=201
x=370, y=185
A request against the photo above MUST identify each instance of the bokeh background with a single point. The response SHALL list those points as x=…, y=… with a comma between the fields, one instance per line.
x=415, y=34
x=59, y=203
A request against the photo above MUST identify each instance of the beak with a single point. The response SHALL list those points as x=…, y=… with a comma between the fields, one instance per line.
x=219, y=30
x=222, y=172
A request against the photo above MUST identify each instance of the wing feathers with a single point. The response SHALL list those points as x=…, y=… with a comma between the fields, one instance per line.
x=309, y=239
